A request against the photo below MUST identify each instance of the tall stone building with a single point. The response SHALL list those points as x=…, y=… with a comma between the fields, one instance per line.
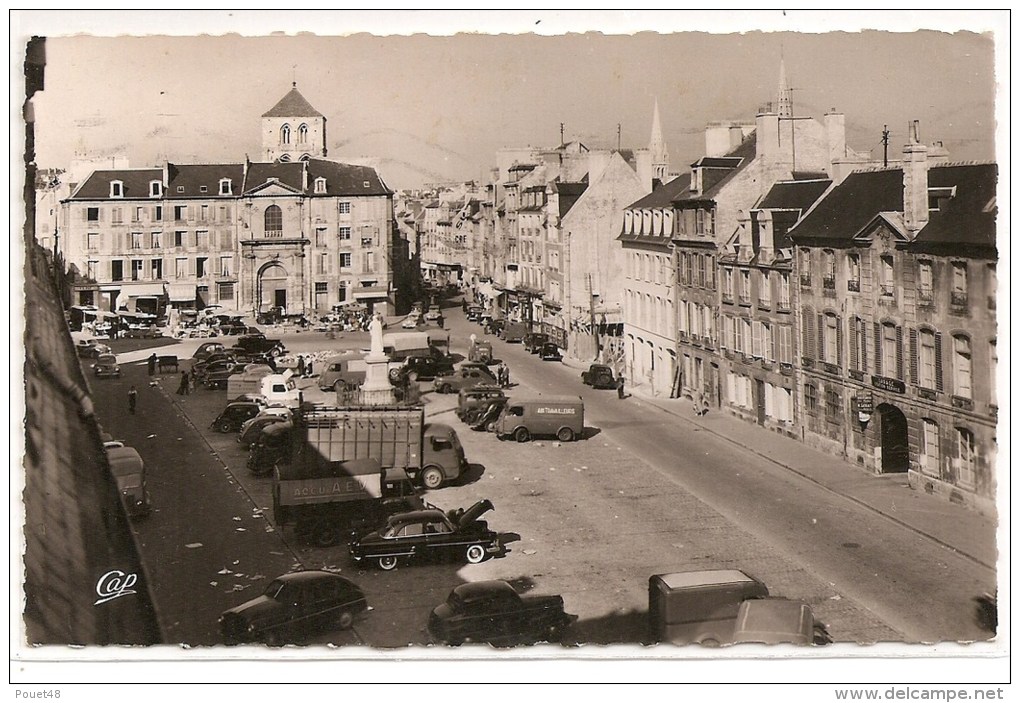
x=895, y=274
x=298, y=233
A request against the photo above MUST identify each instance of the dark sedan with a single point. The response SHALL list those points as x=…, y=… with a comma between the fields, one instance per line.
x=493, y=612
x=235, y=415
x=551, y=352
x=430, y=533
x=464, y=377
x=293, y=606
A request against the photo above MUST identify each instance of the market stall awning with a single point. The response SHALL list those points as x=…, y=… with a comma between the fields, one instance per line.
x=181, y=292
x=370, y=292
x=142, y=290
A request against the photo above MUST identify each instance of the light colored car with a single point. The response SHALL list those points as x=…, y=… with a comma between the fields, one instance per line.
x=411, y=321
x=433, y=314
x=106, y=366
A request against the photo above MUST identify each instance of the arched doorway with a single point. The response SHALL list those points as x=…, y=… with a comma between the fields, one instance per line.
x=892, y=431
x=272, y=287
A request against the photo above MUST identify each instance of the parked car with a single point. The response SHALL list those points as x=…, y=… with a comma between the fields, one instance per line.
x=430, y=533
x=106, y=366
x=207, y=349
x=90, y=348
x=464, y=378
x=213, y=362
x=421, y=368
x=599, y=376
x=235, y=415
x=411, y=321
x=533, y=341
x=779, y=621
x=252, y=429
x=560, y=416
x=494, y=613
x=474, y=313
x=216, y=377
x=252, y=344
x=250, y=398
x=294, y=605
x=142, y=331
x=471, y=402
x=433, y=314
x=551, y=352
x=514, y=331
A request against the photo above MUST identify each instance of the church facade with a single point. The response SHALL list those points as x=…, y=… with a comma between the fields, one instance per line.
x=295, y=232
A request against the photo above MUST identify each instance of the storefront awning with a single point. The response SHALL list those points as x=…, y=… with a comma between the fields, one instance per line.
x=370, y=292
x=181, y=292
x=143, y=290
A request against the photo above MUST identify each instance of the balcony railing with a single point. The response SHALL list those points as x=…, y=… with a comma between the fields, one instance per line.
x=805, y=280
x=925, y=296
x=958, y=298
x=888, y=290
x=829, y=282
x=853, y=285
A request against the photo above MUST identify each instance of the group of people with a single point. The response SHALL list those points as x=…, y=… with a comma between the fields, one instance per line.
x=503, y=375
x=304, y=369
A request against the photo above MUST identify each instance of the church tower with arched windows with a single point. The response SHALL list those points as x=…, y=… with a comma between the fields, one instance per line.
x=293, y=130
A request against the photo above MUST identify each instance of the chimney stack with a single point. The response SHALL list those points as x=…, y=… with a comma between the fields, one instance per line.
x=915, y=182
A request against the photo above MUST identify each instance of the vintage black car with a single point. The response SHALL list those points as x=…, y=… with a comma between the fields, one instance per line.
x=599, y=376
x=207, y=349
x=258, y=345
x=218, y=377
x=493, y=612
x=421, y=368
x=472, y=402
x=551, y=352
x=292, y=606
x=430, y=533
x=214, y=362
x=235, y=415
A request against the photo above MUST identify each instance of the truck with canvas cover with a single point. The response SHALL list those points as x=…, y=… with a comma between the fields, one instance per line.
x=396, y=436
x=329, y=501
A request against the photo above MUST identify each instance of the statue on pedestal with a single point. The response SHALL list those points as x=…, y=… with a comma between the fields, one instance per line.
x=375, y=330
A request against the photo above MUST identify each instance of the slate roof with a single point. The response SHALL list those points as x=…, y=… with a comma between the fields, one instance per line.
x=293, y=104
x=192, y=177
x=745, y=151
x=288, y=173
x=664, y=195
x=793, y=195
x=136, y=183
x=569, y=193
x=967, y=219
x=346, y=179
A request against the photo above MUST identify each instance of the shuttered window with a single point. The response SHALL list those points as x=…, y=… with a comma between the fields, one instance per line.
x=807, y=334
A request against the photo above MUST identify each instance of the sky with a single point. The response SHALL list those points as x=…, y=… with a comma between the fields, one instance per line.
x=432, y=108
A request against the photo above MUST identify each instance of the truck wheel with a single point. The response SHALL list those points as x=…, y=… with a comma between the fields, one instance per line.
x=387, y=563
x=225, y=426
x=432, y=477
x=565, y=434
x=521, y=434
x=475, y=554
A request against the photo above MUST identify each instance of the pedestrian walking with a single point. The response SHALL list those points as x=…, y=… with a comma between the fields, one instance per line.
x=308, y=369
x=191, y=382
x=301, y=366
x=132, y=400
x=152, y=365
x=699, y=402
x=183, y=388
x=620, y=393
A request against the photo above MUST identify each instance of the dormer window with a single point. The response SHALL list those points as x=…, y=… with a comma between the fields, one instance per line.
x=938, y=196
x=320, y=185
x=155, y=189
x=116, y=189
x=367, y=184
x=203, y=189
x=226, y=187
x=180, y=189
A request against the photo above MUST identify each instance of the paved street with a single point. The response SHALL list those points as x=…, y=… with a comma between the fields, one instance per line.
x=646, y=492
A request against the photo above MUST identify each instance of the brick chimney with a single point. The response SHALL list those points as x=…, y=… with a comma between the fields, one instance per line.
x=915, y=182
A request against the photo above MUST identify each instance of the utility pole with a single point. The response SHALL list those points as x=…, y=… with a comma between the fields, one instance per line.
x=617, y=136
x=885, y=145
x=561, y=135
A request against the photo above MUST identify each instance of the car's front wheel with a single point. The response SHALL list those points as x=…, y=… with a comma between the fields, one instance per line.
x=225, y=426
x=475, y=554
x=387, y=563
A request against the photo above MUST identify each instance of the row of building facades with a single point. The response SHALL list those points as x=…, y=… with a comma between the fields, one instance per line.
x=783, y=278
x=786, y=279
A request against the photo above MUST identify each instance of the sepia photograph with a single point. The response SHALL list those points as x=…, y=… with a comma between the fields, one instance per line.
x=431, y=341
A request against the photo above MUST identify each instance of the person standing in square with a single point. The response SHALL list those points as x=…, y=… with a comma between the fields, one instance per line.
x=132, y=400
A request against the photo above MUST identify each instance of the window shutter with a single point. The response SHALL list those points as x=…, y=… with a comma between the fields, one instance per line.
x=899, y=352
x=839, y=341
x=863, y=332
x=806, y=334
x=756, y=339
x=820, y=338
x=913, y=356
x=855, y=336
x=938, y=361
x=878, y=349
x=118, y=243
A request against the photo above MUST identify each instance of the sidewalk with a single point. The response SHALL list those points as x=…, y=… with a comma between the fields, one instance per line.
x=958, y=528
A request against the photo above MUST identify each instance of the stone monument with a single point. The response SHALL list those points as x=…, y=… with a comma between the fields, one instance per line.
x=376, y=390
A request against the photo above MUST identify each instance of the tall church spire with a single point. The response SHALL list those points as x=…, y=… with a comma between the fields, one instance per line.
x=785, y=94
x=657, y=147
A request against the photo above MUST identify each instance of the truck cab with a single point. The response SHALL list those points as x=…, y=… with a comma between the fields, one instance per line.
x=442, y=459
x=699, y=607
